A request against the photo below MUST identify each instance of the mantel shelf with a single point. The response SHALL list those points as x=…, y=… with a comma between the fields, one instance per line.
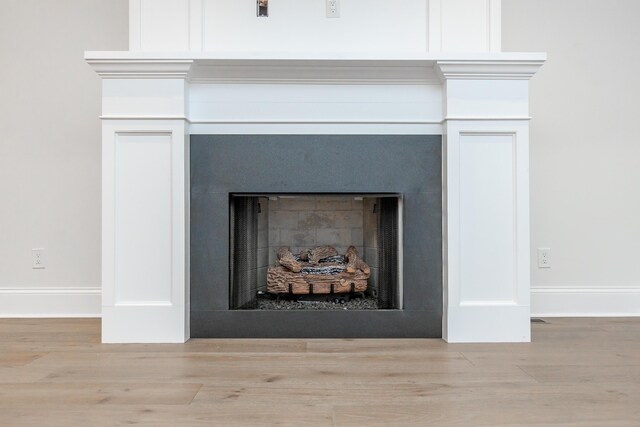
x=329, y=68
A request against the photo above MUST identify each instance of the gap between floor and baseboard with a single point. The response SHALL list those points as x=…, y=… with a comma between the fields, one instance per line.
x=50, y=301
x=564, y=301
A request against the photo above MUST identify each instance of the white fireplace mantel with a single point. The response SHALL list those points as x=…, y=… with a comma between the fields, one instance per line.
x=152, y=102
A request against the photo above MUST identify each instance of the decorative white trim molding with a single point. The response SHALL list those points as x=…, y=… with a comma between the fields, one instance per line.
x=196, y=25
x=494, y=26
x=486, y=304
x=602, y=301
x=298, y=122
x=434, y=27
x=329, y=128
x=145, y=117
x=50, y=302
x=428, y=68
x=135, y=25
x=141, y=68
x=485, y=118
x=313, y=72
x=149, y=294
x=323, y=122
x=489, y=69
x=439, y=21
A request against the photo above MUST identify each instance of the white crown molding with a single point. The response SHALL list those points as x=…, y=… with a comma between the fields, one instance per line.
x=488, y=69
x=141, y=68
x=232, y=68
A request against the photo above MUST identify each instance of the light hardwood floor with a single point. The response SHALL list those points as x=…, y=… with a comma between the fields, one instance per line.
x=576, y=372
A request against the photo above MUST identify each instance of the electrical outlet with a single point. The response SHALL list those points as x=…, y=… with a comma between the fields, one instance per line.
x=544, y=258
x=333, y=8
x=37, y=258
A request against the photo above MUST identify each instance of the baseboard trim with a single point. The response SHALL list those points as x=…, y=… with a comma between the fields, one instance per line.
x=50, y=302
x=556, y=301
x=564, y=301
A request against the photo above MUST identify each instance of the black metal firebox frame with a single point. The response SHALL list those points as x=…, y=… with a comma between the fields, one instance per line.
x=245, y=280
x=409, y=165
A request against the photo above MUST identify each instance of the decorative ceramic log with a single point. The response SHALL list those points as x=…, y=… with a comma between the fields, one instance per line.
x=324, y=268
x=362, y=266
x=331, y=276
x=351, y=256
x=280, y=280
x=286, y=259
x=321, y=252
x=283, y=252
x=355, y=263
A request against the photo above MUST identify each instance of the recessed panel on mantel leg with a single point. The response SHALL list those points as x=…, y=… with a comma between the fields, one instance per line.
x=487, y=218
x=143, y=244
x=487, y=271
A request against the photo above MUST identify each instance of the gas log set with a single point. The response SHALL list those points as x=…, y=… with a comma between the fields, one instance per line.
x=318, y=271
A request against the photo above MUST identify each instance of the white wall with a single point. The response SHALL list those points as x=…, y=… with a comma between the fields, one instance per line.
x=50, y=151
x=585, y=151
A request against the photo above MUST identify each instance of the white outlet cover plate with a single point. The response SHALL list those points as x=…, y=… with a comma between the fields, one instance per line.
x=544, y=258
x=333, y=8
x=38, y=258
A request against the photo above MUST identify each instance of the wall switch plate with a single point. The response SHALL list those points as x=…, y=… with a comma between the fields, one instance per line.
x=37, y=258
x=544, y=258
x=333, y=8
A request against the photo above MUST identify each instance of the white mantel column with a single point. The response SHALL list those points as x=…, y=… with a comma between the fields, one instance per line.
x=144, y=201
x=486, y=205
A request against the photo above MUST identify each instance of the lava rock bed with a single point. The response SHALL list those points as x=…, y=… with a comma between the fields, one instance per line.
x=268, y=303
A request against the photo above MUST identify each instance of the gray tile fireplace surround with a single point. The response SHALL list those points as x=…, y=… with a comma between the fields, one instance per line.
x=408, y=165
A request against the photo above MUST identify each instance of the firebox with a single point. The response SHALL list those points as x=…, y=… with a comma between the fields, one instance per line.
x=316, y=236
x=315, y=251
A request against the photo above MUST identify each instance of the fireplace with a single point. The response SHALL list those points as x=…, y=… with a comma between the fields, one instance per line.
x=214, y=114
x=255, y=195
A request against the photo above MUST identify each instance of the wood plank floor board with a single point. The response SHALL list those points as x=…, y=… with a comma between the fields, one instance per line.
x=55, y=394
x=291, y=375
x=23, y=374
x=79, y=345
x=558, y=358
x=429, y=393
x=496, y=414
x=581, y=374
x=368, y=346
x=422, y=359
x=11, y=359
x=575, y=373
x=311, y=414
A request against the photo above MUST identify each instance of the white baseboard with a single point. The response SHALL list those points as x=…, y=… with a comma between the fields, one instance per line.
x=563, y=301
x=50, y=302
x=556, y=301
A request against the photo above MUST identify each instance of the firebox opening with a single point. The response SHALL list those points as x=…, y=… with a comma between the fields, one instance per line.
x=315, y=251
